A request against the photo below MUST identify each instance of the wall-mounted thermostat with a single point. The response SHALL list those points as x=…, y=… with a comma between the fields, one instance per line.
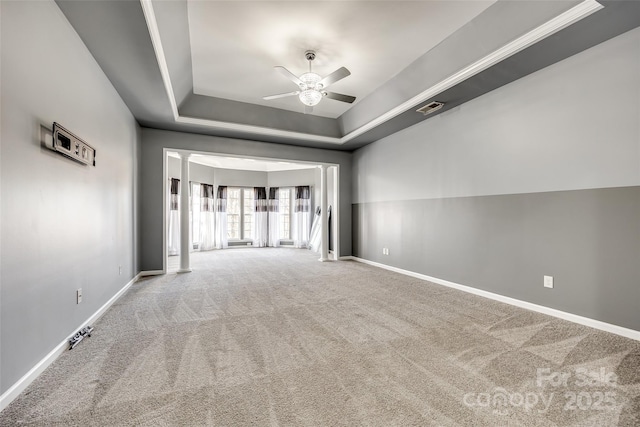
x=66, y=143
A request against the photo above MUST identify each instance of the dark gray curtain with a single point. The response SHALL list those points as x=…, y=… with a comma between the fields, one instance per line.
x=274, y=199
x=260, y=197
x=301, y=217
x=221, y=240
x=273, y=205
x=173, y=229
x=206, y=198
x=207, y=218
x=260, y=229
x=221, y=199
x=175, y=192
x=303, y=199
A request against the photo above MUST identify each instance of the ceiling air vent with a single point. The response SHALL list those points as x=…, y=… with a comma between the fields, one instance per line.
x=431, y=107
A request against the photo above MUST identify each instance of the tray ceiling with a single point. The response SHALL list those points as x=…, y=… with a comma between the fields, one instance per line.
x=374, y=40
x=204, y=66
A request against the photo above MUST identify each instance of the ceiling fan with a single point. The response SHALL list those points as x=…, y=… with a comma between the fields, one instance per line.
x=312, y=86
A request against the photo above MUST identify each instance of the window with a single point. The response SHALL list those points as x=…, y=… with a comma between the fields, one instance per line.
x=248, y=211
x=234, y=196
x=195, y=214
x=240, y=211
x=284, y=195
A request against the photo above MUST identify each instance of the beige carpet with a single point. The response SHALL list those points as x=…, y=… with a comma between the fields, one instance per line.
x=272, y=337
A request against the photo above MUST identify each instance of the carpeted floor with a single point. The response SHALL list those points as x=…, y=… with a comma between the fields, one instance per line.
x=272, y=337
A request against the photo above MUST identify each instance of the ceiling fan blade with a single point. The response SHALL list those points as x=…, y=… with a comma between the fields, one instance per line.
x=280, y=95
x=308, y=109
x=338, y=74
x=288, y=74
x=340, y=97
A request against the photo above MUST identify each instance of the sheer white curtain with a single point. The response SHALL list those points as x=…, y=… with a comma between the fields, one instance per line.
x=301, y=217
x=260, y=229
x=273, y=204
x=207, y=218
x=173, y=239
x=194, y=219
x=221, y=239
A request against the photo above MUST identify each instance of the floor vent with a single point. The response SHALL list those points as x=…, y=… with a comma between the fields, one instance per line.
x=79, y=336
x=430, y=108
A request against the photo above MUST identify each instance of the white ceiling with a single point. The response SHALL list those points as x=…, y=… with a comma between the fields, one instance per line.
x=375, y=40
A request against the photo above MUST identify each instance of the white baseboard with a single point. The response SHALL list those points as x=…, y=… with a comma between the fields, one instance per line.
x=17, y=388
x=597, y=324
x=149, y=273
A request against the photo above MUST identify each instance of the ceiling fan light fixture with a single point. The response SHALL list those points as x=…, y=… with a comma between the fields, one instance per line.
x=310, y=79
x=310, y=97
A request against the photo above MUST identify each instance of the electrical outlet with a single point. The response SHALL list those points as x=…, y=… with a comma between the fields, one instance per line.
x=385, y=251
x=120, y=269
x=79, y=296
x=548, y=281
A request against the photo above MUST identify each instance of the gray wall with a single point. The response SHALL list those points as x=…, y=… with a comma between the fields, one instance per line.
x=540, y=177
x=151, y=177
x=200, y=173
x=292, y=177
x=64, y=225
x=197, y=172
x=241, y=178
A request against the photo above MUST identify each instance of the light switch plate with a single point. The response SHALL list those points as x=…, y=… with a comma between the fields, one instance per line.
x=548, y=281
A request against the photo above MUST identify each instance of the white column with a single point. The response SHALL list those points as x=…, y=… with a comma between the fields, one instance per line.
x=324, y=206
x=185, y=266
x=335, y=213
